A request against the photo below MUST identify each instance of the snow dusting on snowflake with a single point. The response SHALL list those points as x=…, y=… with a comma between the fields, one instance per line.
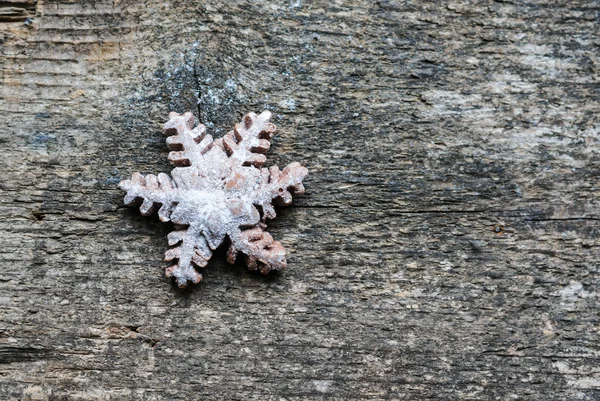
x=217, y=190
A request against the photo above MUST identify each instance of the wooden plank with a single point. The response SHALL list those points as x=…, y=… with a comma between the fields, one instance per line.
x=447, y=246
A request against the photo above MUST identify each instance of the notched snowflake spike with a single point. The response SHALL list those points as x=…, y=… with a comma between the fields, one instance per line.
x=218, y=190
x=153, y=191
x=249, y=139
x=183, y=276
x=262, y=252
x=192, y=249
x=256, y=160
x=188, y=144
x=289, y=183
x=279, y=186
x=178, y=123
x=175, y=237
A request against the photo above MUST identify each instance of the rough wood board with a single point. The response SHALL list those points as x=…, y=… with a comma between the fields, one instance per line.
x=427, y=126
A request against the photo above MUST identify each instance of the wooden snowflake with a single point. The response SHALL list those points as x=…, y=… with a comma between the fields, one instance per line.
x=217, y=190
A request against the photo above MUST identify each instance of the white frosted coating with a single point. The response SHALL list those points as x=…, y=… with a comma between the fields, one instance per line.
x=213, y=193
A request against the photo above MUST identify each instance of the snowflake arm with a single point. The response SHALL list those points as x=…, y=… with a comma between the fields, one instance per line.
x=279, y=186
x=154, y=191
x=262, y=252
x=191, y=248
x=188, y=144
x=249, y=140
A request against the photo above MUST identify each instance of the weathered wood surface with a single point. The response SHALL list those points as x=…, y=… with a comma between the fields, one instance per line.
x=427, y=127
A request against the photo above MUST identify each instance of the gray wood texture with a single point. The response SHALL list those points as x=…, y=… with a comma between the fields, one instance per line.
x=447, y=247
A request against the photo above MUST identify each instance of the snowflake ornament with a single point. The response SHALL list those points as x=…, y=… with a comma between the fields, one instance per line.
x=216, y=190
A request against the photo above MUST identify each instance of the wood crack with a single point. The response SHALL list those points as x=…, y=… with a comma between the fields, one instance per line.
x=15, y=11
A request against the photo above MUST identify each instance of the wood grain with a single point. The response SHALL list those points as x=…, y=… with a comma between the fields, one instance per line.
x=447, y=246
